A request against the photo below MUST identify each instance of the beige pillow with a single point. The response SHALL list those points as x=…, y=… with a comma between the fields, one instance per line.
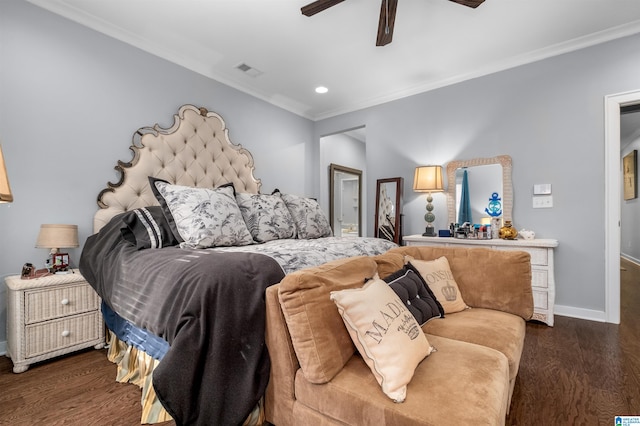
x=386, y=334
x=437, y=274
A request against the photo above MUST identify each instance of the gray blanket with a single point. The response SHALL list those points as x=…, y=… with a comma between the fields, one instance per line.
x=208, y=305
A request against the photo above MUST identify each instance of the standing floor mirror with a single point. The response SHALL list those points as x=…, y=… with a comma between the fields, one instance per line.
x=388, y=223
x=345, y=201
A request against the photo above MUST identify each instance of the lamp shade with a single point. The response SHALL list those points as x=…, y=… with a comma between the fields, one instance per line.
x=57, y=236
x=428, y=179
x=5, y=189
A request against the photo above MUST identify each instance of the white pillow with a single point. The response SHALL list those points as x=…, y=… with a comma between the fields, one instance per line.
x=203, y=217
x=386, y=334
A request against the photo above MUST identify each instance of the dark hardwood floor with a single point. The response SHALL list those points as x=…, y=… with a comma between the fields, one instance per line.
x=576, y=373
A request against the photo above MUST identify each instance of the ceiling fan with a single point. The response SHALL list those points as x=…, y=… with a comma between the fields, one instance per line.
x=387, y=15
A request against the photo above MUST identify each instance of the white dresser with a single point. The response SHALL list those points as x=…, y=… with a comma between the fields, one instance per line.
x=542, y=274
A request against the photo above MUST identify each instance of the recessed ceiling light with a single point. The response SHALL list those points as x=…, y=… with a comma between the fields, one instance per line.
x=321, y=89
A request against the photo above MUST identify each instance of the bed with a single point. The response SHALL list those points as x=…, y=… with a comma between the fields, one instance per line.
x=185, y=245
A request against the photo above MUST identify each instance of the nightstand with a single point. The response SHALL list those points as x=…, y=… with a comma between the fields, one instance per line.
x=51, y=316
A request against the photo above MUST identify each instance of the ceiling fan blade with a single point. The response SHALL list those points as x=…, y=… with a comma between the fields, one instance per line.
x=318, y=6
x=470, y=3
x=386, y=22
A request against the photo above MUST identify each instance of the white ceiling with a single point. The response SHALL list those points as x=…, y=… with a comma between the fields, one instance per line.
x=435, y=42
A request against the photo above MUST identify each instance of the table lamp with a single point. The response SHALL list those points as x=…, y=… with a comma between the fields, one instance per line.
x=428, y=179
x=55, y=237
x=5, y=189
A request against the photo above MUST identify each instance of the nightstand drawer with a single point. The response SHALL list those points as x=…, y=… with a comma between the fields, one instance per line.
x=63, y=333
x=56, y=302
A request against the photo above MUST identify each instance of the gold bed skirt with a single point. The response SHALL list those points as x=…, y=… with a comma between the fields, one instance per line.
x=135, y=366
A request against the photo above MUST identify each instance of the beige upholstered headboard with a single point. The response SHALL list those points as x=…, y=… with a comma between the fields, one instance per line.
x=195, y=151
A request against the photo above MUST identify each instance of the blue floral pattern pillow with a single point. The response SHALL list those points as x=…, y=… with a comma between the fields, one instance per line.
x=266, y=216
x=310, y=220
x=203, y=217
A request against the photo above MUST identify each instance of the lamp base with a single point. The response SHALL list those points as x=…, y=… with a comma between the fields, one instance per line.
x=429, y=232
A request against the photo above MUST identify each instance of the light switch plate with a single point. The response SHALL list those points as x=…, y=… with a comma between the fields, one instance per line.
x=542, y=189
x=543, y=202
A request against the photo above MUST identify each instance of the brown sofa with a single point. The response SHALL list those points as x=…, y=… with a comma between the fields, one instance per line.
x=318, y=377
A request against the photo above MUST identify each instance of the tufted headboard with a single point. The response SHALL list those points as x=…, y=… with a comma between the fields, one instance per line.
x=195, y=151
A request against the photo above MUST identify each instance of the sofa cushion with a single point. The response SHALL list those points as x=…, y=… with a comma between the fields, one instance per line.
x=385, y=333
x=416, y=295
x=318, y=334
x=494, y=279
x=487, y=327
x=389, y=262
x=460, y=384
x=437, y=274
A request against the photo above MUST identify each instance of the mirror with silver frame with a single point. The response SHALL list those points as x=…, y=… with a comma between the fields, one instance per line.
x=481, y=190
x=388, y=221
x=345, y=201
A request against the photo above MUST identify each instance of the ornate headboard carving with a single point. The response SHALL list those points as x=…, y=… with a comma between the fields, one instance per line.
x=195, y=151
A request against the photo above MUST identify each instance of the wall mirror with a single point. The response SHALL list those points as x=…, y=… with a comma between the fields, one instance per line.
x=345, y=200
x=492, y=175
x=388, y=222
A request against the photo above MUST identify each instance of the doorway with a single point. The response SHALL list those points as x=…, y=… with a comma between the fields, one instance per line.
x=613, y=103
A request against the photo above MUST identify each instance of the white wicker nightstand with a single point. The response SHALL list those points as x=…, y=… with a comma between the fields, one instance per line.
x=51, y=316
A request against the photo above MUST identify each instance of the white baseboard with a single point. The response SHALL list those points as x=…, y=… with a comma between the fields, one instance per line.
x=3, y=348
x=630, y=258
x=580, y=313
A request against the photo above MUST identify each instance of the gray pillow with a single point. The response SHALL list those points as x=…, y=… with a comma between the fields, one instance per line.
x=310, y=220
x=266, y=216
x=203, y=217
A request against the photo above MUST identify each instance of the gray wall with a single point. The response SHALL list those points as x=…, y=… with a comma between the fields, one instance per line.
x=70, y=101
x=71, y=98
x=549, y=117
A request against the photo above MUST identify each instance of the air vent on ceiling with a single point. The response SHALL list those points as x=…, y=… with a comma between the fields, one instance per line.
x=249, y=70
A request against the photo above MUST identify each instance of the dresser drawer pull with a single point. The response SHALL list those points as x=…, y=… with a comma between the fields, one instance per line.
x=66, y=333
x=65, y=301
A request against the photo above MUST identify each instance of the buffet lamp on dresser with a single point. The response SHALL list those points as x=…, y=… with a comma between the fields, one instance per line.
x=428, y=179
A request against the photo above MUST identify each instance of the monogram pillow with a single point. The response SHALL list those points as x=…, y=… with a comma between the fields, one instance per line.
x=437, y=274
x=385, y=333
x=266, y=216
x=203, y=217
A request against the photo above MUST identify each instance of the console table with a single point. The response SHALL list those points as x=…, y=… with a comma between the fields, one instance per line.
x=542, y=274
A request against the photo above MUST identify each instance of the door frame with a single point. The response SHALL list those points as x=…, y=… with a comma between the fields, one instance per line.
x=612, y=171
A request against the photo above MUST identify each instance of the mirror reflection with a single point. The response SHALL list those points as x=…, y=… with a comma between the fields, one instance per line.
x=484, y=177
x=388, y=221
x=345, y=194
x=474, y=188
